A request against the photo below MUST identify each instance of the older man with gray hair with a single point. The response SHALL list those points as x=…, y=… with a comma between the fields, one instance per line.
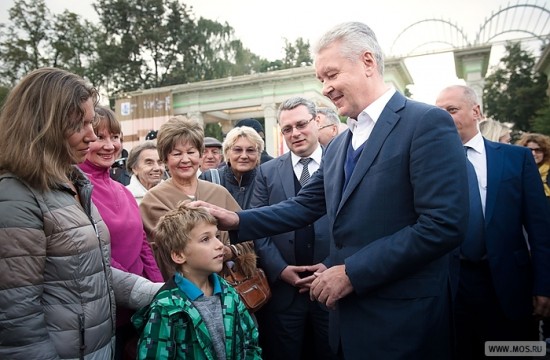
x=327, y=120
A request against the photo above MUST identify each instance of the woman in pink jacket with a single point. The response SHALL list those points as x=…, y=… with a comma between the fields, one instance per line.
x=130, y=250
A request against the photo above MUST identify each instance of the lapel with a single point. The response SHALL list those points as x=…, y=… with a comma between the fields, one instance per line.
x=334, y=173
x=495, y=161
x=386, y=122
x=286, y=174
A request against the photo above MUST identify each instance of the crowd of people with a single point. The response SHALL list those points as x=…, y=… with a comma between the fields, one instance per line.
x=370, y=246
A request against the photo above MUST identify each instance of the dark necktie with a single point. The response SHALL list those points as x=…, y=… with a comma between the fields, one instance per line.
x=305, y=172
x=473, y=247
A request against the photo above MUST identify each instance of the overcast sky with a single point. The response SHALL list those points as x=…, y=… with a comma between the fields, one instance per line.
x=263, y=26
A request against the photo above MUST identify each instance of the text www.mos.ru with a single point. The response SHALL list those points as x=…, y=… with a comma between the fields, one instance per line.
x=515, y=348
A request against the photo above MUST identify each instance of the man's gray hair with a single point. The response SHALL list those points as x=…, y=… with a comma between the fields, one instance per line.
x=294, y=102
x=355, y=38
x=330, y=114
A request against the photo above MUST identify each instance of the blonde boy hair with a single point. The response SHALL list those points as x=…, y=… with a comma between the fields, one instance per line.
x=173, y=228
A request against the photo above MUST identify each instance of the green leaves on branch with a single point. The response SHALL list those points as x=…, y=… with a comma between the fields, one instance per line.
x=136, y=44
x=515, y=94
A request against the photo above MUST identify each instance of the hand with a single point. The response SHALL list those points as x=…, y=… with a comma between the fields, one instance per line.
x=305, y=282
x=330, y=286
x=227, y=220
x=291, y=275
x=227, y=253
x=541, y=306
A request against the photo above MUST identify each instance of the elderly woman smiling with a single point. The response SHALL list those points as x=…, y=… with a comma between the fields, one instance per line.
x=242, y=149
x=180, y=143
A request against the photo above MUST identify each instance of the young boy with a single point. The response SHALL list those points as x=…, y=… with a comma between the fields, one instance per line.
x=196, y=314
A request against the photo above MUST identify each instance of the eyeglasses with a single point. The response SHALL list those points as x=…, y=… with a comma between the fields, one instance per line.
x=300, y=125
x=239, y=151
x=326, y=126
x=536, y=150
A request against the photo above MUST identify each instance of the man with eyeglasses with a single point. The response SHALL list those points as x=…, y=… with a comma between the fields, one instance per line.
x=328, y=122
x=501, y=272
x=291, y=325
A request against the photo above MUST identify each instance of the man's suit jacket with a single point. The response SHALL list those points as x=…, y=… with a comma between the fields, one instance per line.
x=403, y=210
x=275, y=183
x=516, y=202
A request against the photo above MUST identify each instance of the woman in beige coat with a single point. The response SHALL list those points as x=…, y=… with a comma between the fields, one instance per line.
x=180, y=143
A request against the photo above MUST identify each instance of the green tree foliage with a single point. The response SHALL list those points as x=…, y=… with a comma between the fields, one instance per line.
x=541, y=121
x=24, y=46
x=136, y=44
x=213, y=130
x=153, y=43
x=35, y=38
x=514, y=92
x=71, y=44
x=4, y=91
x=138, y=41
x=297, y=54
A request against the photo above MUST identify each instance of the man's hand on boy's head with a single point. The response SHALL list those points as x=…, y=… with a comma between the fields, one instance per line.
x=227, y=220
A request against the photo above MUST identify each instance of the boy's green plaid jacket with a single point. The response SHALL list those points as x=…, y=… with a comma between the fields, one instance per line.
x=172, y=328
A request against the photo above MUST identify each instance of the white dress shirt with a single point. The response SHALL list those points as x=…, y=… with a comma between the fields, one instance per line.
x=313, y=165
x=362, y=127
x=477, y=156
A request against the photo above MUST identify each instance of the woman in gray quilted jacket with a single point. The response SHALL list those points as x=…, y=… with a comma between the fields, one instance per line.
x=57, y=288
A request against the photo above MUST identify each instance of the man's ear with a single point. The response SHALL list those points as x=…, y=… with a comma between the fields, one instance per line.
x=478, y=115
x=368, y=60
x=178, y=257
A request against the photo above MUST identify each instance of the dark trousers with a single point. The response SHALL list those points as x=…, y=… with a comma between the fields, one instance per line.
x=296, y=333
x=478, y=316
x=126, y=342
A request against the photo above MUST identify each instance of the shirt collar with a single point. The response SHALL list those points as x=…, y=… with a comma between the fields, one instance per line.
x=372, y=111
x=191, y=290
x=316, y=155
x=476, y=143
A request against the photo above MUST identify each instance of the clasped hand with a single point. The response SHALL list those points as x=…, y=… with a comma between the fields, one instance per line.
x=297, y=275
x=330, y=286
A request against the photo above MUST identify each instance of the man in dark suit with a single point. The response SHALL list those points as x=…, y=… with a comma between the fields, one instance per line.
x=503, y=276
x=393, y=190
x=292, y=326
